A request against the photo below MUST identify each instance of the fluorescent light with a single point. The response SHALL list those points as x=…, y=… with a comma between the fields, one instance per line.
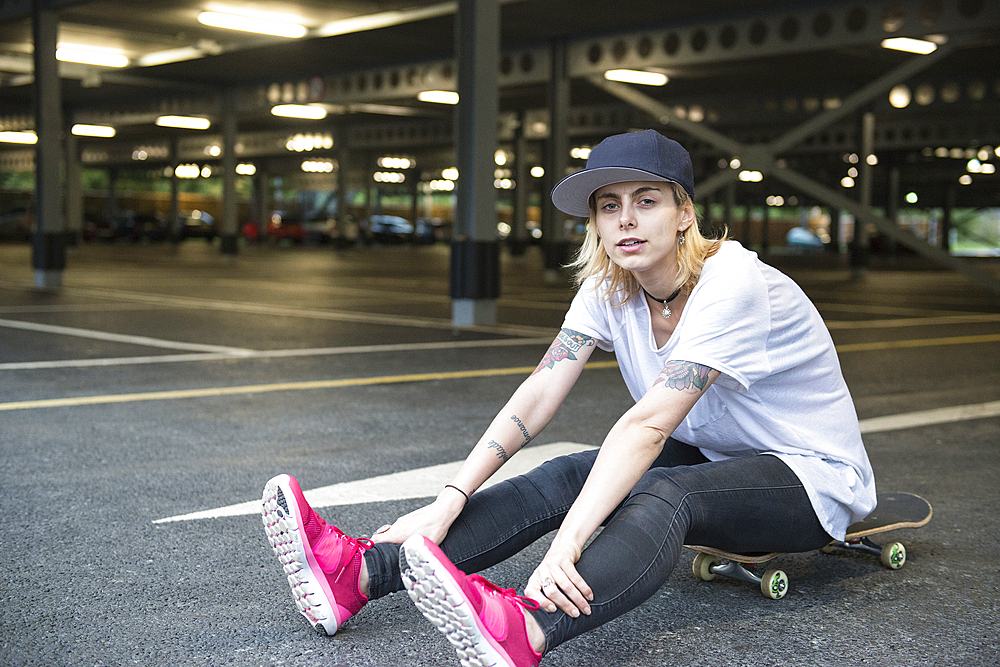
x=384, y=19
x=26, y=137
x=636, y=76
x=438, y=96
x=84, y=130
x=91, y=56
x=910, y=45
x=310, y=111
x=169, y=56
x=385, y=109
x=261, y=26
x=184, y=122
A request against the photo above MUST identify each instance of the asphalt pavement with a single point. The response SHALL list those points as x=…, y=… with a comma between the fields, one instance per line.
x=163, y=381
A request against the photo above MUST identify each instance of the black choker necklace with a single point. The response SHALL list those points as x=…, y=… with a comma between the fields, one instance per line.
x=666, y=308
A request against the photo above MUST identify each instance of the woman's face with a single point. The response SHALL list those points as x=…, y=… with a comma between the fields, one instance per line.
x=638, y=223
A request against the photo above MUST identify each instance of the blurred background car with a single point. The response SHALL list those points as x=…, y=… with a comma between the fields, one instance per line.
x=283, y=227
x=389, y=228
x=803, y=240
x=141, y=226
x=15, y=222
x=196, y=224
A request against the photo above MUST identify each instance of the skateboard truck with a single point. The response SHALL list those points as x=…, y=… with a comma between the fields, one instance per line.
x=894, y=511
x=773, y=583
x=893, y=555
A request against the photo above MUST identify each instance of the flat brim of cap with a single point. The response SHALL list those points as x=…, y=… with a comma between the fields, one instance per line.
x=572, y=194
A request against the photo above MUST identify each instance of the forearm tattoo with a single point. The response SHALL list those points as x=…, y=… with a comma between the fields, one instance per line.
x=501, y=452
x=520, y=425
x=565, y=346
x=684, y=376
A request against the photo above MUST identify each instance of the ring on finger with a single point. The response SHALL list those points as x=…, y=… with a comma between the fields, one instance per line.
x=546, y=582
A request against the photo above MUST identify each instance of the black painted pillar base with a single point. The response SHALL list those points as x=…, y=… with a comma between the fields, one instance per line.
x=48, y=258
x=475, y=281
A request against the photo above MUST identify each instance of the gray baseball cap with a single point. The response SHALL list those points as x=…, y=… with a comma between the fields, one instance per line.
x=633, y=156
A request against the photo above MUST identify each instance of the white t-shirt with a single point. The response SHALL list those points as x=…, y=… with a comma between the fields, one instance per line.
x=781, y=390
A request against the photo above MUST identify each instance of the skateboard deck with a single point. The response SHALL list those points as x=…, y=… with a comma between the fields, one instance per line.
x=893, y=511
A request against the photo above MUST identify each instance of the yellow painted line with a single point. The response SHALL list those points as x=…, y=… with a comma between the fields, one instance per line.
x=281, y=386
x=918, y=342
x=418, y=377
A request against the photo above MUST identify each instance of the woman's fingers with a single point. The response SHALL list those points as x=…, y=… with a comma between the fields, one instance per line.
x=560, y=588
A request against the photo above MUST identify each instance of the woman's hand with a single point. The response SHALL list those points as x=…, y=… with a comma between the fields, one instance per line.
x=555, y=583
x=432, y=521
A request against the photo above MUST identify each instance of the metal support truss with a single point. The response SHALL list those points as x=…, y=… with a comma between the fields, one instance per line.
x=763, y=157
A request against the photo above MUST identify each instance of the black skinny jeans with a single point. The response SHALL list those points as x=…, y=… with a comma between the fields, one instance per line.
x=746, y=505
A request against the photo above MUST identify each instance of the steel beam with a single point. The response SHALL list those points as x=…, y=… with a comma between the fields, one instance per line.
x=887, y=227
x=762, y=157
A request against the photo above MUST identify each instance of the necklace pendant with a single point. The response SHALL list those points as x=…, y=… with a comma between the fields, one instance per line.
x=666, y=311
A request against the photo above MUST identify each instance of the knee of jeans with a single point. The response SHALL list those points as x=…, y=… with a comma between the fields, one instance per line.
x=658, y=500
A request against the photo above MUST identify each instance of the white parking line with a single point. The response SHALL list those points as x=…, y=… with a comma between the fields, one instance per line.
x=426, y=482
x=121, y=338
x=419, y=483
x=954, y=413
x=274, y=354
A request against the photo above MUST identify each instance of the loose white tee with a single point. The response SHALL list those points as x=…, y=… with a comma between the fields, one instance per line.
x=781, y=390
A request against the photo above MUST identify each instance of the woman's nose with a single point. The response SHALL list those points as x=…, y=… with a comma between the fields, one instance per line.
x=626, y=219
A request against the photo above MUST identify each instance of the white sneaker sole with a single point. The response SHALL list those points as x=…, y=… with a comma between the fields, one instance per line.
x=283, y=526
x=440, y=599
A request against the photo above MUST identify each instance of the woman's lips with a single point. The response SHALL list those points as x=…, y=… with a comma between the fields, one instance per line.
x=630, y=245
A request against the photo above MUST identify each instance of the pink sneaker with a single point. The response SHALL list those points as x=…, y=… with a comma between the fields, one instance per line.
x=485, y=623
x=322, y=563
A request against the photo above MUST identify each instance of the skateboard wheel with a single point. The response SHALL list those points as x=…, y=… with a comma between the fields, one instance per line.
x=702, y=566
x=894, y=555
x=828, y=549
x=774, y=584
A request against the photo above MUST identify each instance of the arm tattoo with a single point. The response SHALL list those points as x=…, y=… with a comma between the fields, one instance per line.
x=501, y=452
x=520, y=425
x=565, y=346
x=684, y=376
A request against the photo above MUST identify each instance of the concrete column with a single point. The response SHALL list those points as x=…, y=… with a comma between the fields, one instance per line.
x=892, y=205
x=860, y=256
x=48, y=256
x=475, y=248
x=518, y=240
x=765, y=230
x=728, y=205
x=949, y=207
x=74, y=190
x=230, y=232
x=343, y=162
x=554, y=245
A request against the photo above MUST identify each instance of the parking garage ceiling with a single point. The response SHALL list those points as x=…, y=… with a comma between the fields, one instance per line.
x=748, y=69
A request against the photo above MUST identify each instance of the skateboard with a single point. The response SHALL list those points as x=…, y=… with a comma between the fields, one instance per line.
x=894, y=511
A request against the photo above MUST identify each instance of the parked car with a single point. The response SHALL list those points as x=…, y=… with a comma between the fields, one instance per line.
x=196, y=224
x=282, y=226
x=389, y=228
x=429, y=230
x=15, y=222
x=141, y=226
x=97, y=227
x=803, y=240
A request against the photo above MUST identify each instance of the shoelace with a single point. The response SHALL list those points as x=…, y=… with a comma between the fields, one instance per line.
x=362, y=543
x=508, y=593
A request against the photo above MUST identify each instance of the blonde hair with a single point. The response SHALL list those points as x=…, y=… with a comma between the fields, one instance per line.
x=592, y=260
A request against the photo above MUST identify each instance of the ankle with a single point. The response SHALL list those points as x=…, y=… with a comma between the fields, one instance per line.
x=535, y=635
x=363, y=582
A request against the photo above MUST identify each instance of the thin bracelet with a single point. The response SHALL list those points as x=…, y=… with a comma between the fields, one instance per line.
x=452, y=486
